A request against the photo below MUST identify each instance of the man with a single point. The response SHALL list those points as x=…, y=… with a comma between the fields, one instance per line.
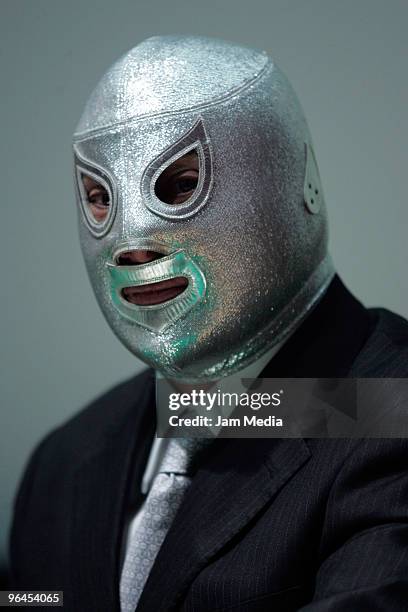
x=203, y=227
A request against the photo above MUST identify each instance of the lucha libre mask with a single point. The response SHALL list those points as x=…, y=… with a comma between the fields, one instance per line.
x=250, y=243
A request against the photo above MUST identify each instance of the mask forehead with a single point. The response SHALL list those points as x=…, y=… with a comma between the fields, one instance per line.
x=165, y=75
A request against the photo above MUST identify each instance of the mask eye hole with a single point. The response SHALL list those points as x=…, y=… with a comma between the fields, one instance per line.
x=178, y=182
x=96, y=195
x=97, y=198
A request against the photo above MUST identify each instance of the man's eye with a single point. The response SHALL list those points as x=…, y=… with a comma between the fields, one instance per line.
x=178, y=182
x=99, y=197
x=184, y=185
x=98, y=200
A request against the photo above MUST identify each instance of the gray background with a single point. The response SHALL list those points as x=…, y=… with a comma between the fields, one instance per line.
x=348, y=63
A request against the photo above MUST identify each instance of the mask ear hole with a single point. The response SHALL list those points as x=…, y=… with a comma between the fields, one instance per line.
x=179, y=181
x=96, y=198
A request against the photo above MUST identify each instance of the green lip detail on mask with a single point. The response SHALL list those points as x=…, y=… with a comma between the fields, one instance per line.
x=172, y=350
x=157, y=317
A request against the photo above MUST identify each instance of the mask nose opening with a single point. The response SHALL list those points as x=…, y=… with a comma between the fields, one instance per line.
x=137, y=257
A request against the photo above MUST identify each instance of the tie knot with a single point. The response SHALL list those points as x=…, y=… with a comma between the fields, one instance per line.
x=181, y=454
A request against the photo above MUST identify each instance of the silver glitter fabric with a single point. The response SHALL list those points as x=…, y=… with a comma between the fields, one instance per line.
x=252, y=240
x=160, y=508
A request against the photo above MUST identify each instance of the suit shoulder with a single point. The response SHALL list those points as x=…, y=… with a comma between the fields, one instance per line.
x=85, y=431
x=386, y=351
x=111, y=406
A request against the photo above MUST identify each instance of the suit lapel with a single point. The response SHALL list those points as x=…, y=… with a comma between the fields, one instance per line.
x=102, y=490
x=236, y=481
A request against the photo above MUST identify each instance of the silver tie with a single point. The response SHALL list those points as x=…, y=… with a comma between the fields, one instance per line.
x=164, y=499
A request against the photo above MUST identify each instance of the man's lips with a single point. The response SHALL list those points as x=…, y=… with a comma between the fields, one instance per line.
x=155, y=293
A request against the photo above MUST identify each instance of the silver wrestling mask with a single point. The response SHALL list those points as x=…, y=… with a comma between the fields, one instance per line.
x=252, y=238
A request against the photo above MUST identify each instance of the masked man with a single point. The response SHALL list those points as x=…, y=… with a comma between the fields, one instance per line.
x=203, y=228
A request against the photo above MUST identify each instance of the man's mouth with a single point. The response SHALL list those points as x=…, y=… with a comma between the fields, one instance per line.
x=155, y=293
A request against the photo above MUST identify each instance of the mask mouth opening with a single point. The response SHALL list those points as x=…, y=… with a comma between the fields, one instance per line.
x=160, y=288
x=155, y=293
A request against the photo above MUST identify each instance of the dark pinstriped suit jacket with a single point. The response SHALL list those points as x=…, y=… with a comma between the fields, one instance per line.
x=292, y=524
